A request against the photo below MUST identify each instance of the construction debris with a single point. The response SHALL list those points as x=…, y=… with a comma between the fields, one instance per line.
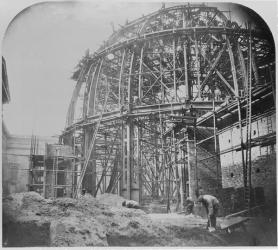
x=30, y=220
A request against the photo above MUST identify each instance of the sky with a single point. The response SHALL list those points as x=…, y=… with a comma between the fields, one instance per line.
x=43, y=44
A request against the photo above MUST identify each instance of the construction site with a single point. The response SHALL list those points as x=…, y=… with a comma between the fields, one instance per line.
x=175, y=104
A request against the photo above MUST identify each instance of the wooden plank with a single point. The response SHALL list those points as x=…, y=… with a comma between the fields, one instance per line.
x=197, y=64
x=120, y=79
x=140, y=75
x=186, y=82
x=233, y=67
x=174, y=68
x=233, y=222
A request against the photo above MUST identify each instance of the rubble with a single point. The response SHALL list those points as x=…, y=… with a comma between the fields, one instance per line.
x=87, y=221
x=30, y=220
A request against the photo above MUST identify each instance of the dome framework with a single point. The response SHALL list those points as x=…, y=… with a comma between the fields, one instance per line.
x=179, y=61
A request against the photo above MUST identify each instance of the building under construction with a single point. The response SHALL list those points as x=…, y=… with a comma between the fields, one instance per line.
x=177, y=102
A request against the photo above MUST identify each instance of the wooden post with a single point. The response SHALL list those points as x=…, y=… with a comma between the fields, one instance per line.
x=53, y=177
x=186, y=83
x=156, y=170
x=168, y=190
x=183, y=19
x=128, y=157
x=241, y=138
x=140, y=75
x=129, y=87
x=196, y=158
x=162, y=157
x=181, y=184
x=30, y=173
x=44, y=174
x=120, y=79
x=139, y=164
x=215, y=144
x=56, y=173
x=122, y=180
x=198, y=65
x=105, y=163
x=161, y=83
x=129, y=132
x=174, y=68
x=191, y=192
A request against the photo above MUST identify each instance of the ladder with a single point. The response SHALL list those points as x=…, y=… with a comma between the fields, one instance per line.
x=91, y=147
x=247, y=170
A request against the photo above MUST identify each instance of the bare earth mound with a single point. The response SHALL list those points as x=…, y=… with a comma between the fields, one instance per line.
x=30, y=220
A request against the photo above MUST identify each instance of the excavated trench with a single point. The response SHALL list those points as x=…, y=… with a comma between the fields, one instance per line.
x=26, y=233
x=29, y=220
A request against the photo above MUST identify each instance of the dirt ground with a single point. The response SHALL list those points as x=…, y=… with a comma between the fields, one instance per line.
x=30, y=220
x=259, y=230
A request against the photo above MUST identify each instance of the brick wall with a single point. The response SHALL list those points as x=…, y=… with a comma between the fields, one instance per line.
x=263, y=158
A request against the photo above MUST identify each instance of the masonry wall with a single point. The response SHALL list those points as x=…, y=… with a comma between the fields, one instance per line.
x=15, y=171
x=15, y=167
x=263, y=157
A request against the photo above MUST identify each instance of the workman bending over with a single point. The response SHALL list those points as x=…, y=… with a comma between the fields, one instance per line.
x=212, y=205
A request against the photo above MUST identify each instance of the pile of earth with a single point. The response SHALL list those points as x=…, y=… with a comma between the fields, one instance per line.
x=31, y=220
